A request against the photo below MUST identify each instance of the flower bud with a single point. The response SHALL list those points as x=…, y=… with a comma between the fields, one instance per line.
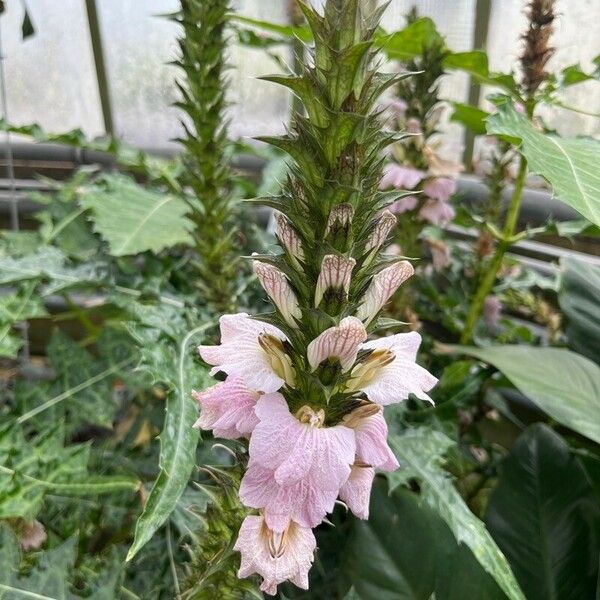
x=279, y=360
x=289, y=239
x=275, y=283
x=382, y=229
x=338, y=224
x=382, y=287
x=339, y=343
x=335, y=274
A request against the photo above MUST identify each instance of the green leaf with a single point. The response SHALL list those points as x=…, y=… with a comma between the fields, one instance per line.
x=410, y=41
x=471, y=117
x=15, y=307
x=285, y=31
x=133, y=219
x=569, y=164
x=562, y=383
x=544, y=516
x=420, y=452
x=475, y=63
x=51, y=265
x=30, y=468
x=178, y=439
x=578, y=298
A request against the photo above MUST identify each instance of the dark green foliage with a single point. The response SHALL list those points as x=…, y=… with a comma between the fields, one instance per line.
x=546, y=519
x=206, y=159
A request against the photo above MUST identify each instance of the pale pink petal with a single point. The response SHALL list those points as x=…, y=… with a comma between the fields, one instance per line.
x=440, y=254
x=339, y=217
x=404, y=204
x=413, y=125
x=227, y=408
x=397, y=176
x=440, y=167
x=383, y=227
x=277, y=286
x=492, y=309
x=288, y=237
x=381, y=289
x=301, y=502
x=299, y=453
x=440, y=188
x=356, y=492
x=32, y=535
x=339, y=343
x=396, y=106
x=276, y=557
x=437, y=212
x=402, y=376
x=371, y=443
x=336, y=271
x=241, y=354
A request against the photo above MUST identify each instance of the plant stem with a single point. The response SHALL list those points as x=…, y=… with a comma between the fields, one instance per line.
x=486, y=284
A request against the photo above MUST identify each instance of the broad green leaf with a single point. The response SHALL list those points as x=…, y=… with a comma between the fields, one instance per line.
x=562, y=383
x=133, y=219
x=578, y=297
x=569, y=164
x=470, y=116
x=475, y=63
x=545, y=518
x=30, y=468
x=178, y=439
x=420, y=452
x=410, y=41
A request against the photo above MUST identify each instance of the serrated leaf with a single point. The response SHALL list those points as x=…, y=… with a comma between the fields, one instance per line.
x=134, y=219
x=569, y=164
x=30, y=468
x=544, y=516
x=420, y=452
x=562, y=383
x=178, y=439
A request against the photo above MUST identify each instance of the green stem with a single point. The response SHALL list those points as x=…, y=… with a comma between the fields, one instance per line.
x=487, y=283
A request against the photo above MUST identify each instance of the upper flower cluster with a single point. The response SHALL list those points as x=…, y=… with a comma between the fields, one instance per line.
x=305, y=384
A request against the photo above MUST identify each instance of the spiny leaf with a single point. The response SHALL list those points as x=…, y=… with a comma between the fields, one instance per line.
x=420, y=451
x=133, y=219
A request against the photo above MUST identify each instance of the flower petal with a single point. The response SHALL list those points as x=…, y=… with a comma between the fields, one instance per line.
x=277, y=286
x=339, y=342
x=356, y=492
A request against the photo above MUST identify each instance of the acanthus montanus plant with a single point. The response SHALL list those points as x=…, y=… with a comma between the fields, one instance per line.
x=305, y=384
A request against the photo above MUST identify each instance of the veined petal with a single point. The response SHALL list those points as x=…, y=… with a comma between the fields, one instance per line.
x=296, y=450
x=400, y=377
x=301, y=502
x=241, y=354
x=401, y=177
x=336, y=271
x=339, y=343
x=382, y=287
x=437, y=212
x=356, y=492
x=276, y=557
x=277, y=286
x=289, y=238
x=227, y=408
x=339, y=217
x=385, y=224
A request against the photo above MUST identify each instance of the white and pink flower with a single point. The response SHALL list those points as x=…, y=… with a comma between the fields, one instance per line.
x=275, y=556
x=227, y=409
x=356, y=492
x=400, y=177
x=251, y=350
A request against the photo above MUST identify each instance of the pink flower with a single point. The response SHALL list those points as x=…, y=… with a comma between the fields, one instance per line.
x=382, y=287
x=371, y=433
x=403, y=205
x=492, y=308
x=276, y=557
x=400, y=177
x=437, y=212
x=227, y=408
x=356, y=492
x=301, y=502
x=396, y=106
x=340, y=343
x=384, y=225
x=440, y=167
x=277, y=286
x=440, y=254
x=289, y=239
x=390, y=373
x=440, y=188
x=413, y=125
x=340, y=217
x=296, y=451
x=252, y=350
x=335, y=274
